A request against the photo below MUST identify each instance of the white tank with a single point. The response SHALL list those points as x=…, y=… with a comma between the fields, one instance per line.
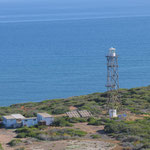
x=112, y=113
x=112, y=52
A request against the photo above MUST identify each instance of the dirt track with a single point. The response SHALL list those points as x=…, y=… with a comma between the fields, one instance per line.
x=5, y=137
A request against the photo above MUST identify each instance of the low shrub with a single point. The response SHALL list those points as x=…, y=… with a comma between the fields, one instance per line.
x=27, y=132
x=54, y=134
x=76, y=120
x=1, y=148
x=133, y=133
x=97, y=122
x=61, y=110
x=61, y=134
x=61, y=122
x=93, y=121
x=45, y=137
x=15, y=142
x=41, y=127
x=95, y=136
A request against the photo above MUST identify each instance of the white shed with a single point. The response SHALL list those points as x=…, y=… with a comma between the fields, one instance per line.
x=47, y=118
x=29, y=122
x=13, y=121
x=9, y=121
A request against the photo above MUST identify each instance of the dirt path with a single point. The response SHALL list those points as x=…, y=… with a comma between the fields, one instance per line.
x=5, y=137
x=83, y=144
x=88, y=128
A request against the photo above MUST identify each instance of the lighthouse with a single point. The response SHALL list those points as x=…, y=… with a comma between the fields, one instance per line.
x=112, y=82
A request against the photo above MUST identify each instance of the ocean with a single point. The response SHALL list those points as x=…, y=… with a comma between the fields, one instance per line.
x=54, y=49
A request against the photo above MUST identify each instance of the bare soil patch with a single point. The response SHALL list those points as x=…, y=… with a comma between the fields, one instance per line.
x=71, y=108
x=83, y=144
x=88, y=128
x=5, y=137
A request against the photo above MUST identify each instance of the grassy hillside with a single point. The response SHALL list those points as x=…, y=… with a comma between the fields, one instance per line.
x=133, y=132
x=135, y=100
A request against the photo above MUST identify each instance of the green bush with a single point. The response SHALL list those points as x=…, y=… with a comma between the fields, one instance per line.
x=137, y=131
x=21, y=135
x=60, y=110
x=93, y=121
x=76, y=120
x=71, y=132
x=54, y=134
x=14, y=142
x=27, y=132
x=61, y=122
x=67, y=122
x=1, y=148
x=41, y=127
x=95, y=136
x=97, y=122
x=118, y=127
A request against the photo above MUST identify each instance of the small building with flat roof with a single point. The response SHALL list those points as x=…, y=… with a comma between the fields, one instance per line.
x=9, y=121
x=17, y=120
x=45, y=117
x=13, y=120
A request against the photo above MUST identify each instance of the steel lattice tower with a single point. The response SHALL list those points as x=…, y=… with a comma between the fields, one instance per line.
x=112, y=82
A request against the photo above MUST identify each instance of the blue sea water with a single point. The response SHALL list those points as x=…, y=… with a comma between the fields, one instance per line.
x=56, y=49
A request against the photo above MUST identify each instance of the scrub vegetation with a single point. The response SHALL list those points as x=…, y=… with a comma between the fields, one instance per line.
x=135, y=134
x=49, y=134
x=1, y=148
x=15, y=142
x=66, y=121
x=135, y=100
x=132, y=133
